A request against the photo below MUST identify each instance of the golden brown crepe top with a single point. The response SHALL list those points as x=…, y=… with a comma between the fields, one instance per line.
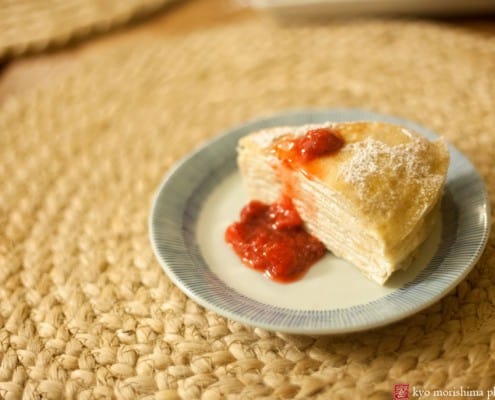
x=389, y=176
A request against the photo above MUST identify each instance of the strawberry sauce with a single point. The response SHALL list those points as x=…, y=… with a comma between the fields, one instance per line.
x=314, y=144
x=271, y=239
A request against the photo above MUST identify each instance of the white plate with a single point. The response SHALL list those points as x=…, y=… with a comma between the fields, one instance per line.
x=203, y=194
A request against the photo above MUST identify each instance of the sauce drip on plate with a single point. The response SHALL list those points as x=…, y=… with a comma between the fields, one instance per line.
x=271, y=239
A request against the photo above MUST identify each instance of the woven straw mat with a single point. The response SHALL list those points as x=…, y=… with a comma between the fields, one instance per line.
x=28, y=26
x=85, y=309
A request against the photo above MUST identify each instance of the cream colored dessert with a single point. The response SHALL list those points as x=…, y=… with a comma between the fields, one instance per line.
x=372, y=202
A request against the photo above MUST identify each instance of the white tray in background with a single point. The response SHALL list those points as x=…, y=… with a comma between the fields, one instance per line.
x=339, y=8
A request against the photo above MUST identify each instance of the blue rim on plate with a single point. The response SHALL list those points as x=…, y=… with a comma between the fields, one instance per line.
x=181, y=195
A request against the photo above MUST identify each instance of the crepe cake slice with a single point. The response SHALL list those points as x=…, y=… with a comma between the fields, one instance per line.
x=372, y=201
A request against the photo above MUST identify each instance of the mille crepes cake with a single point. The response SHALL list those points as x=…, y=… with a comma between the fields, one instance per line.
x=372, y=202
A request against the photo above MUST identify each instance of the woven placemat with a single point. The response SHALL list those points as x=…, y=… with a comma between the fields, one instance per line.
x=28, y=26
x=86, y=310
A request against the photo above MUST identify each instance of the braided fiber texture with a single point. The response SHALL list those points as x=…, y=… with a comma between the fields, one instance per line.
x=28, y=26
x=85, y=309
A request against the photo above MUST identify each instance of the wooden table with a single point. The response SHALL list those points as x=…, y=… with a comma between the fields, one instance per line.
x=25, y=74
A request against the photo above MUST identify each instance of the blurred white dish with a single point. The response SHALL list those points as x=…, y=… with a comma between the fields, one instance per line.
x=339, y=8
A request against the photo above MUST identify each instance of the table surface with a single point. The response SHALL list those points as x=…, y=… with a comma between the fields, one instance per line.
x=25, y=74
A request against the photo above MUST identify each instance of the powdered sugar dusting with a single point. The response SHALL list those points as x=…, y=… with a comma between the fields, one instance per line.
x=378, y=172
x=266, y=137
